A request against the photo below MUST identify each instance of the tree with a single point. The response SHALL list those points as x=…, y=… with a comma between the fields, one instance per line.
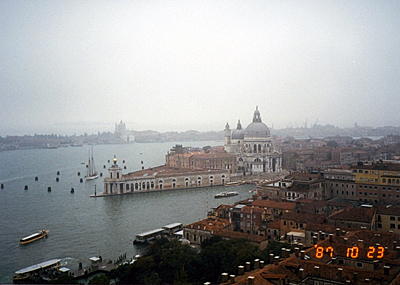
x=100, y=279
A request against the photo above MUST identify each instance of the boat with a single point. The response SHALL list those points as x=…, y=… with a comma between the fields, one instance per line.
x=234, y=183
x=91, y=169
x=225, y=194
x=38, y=235
x=37, y=272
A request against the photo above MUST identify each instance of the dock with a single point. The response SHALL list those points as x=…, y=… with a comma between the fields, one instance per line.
x=97, y=265
x=152, y=235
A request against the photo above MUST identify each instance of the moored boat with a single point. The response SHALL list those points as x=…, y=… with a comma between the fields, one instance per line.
x=38, y=235
x=234, y=183
x=37, y=271
x=225, y=194
x=91, y=169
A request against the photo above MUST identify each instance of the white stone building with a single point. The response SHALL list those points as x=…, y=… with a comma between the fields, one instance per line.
x=253, y=148
x=123, y=134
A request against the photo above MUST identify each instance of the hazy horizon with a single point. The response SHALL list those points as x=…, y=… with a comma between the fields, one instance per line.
x=67, y=65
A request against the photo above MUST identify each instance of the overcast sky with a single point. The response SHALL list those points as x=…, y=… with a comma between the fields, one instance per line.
x=73, y=66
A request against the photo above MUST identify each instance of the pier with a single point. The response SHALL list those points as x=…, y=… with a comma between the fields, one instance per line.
x=151, y=236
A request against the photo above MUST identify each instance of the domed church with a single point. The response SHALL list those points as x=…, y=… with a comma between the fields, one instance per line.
x=254, y=151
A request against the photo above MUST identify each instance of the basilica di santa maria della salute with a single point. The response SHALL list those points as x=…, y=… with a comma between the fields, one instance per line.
x=253, y=148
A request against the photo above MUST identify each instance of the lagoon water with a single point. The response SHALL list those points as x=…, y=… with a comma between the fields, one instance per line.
x=81, y=226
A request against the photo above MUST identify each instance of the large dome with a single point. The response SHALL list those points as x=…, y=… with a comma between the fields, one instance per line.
x=257, y=128
x=238, y=134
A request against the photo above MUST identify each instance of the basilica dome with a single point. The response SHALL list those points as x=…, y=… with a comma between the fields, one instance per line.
x=257, y=128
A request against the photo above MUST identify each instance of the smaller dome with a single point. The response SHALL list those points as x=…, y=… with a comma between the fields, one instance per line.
x=238, y=134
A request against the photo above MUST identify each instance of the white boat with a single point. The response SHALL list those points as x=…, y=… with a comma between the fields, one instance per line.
x=234, y=183
x=225, y=194
x=38, y=235
x=36, y=271
x=91, y=169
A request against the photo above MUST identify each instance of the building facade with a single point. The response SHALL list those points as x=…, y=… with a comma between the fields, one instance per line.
x=253, y=148
x=160, y=178
x=123, y=134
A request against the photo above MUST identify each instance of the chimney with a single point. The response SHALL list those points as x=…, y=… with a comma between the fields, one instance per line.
x=262, y=262
x=240, y=270
x=247, y=266
x=224, y=277
x=297, y=251
x=355, y=280
x=250, y=280
x=232, y=279
x=333, y=260
x=300, y=246
x=276, y=260
x=271, y=258
x=376, y=264
x=345, y=240
x=360, y=243
x=256, y=263
x=394, y=245
x=377, y=237
x=316, y=270
x=386, y=269
x=331, y=238
x=287, y=252
x=302, y=273
x=340, y=274
x=320, y=235
x=283, y=252
x=337, y=231
x=398, y=251
x=315, y=239
x=302, y=254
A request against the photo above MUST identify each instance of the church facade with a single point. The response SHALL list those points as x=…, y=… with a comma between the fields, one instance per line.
x=253, y=147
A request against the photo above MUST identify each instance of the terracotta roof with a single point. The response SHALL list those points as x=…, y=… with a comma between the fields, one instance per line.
x=302, y=217
x=249, y=210
x=388, y=210
x=163, y=171
x=274, y=204
x=232, y=234
x=209, y=224
x=365, y=215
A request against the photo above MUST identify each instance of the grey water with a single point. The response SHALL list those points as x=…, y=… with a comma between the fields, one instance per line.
x=81, y=226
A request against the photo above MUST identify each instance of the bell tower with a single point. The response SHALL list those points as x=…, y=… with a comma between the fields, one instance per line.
x=228, y=137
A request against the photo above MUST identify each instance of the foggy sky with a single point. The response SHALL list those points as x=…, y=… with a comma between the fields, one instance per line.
x=81, y=66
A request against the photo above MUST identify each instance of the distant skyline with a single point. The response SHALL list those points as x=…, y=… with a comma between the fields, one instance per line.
x=69, y=66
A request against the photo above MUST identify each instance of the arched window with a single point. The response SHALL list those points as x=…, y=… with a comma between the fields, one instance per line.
x=187, y=181
x=173, y=183
x=160, y=184
x=255, y=148
x=259, y=148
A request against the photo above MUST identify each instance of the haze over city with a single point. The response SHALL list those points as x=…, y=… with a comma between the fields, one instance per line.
x=81, y=66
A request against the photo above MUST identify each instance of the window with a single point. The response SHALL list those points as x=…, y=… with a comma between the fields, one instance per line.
x=360, y=171
x=392, y=226
x=379, y=225
x=359, y=264
x=392, y=218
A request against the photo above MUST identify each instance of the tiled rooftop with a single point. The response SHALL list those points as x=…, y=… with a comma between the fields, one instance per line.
x=354, y=214
x=274, y=204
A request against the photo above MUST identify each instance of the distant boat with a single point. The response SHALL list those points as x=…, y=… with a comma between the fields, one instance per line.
x=91, y=169
x=234, y=183
x=225, y=194
x=38, y=235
